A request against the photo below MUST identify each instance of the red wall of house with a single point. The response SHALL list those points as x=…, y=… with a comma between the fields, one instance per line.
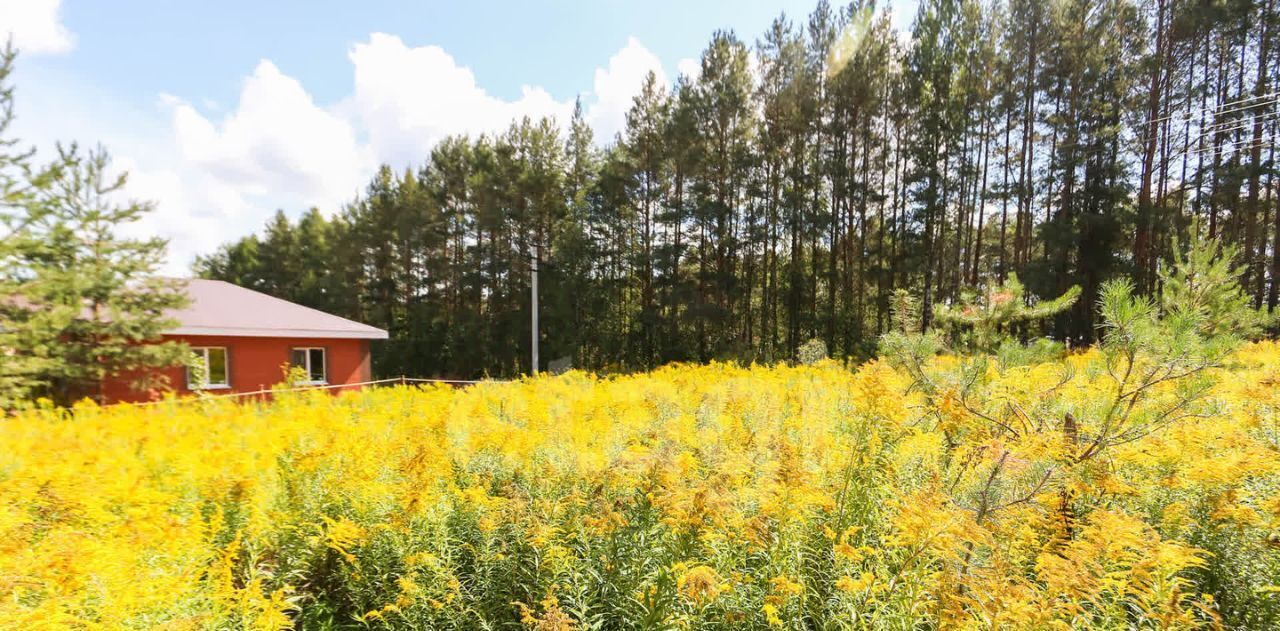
x=255, y=363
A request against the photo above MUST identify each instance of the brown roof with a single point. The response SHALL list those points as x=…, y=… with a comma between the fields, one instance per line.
x=220, y=308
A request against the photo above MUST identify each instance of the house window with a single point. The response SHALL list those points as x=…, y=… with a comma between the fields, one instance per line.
x=311, y=360
x=208, y=369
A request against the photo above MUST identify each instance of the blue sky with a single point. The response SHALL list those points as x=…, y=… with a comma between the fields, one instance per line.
x=224, y=111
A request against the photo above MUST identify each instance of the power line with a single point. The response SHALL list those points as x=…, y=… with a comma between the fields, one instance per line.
x=1209, y=128
x=1200, y=135
x=1241, y=124
x=1273, y=98
x=1238, y=148
x=1192, y=114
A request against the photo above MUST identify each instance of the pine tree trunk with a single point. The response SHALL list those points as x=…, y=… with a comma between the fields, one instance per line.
x=1253, y=259
x=1142, y=238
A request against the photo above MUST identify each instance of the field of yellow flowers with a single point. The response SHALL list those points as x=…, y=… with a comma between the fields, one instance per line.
x=692, y=497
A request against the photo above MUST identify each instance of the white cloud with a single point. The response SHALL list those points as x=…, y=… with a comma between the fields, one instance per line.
x=216, y=180
x=277, y=141
x=217, y=173
x=617, y=84
x=404, y=119
x=754, y=69
x=275, y=149
x=689, y=67
x=192, y=210
x=407, y=99
x=35, y=25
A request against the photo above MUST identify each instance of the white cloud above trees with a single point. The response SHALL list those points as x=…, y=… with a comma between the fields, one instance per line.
x=689, y=67
x=407, y=99
x=278, y=148
x=35, y=26
x=617, y=84
x=276, y=141
x=218, y=174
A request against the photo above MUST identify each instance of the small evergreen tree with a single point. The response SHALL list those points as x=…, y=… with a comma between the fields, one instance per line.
x=21, y=363
x=85, y=302
x=908, y=346
x=983, y=321
x=812, y=352
x=983, y=324
x=1157, y=362
x=1201, y=317
x=1204, y=284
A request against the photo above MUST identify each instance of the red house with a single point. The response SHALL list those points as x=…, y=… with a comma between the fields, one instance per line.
x=244, y=340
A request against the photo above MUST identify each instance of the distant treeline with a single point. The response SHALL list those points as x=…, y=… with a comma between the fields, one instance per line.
x=741, y=213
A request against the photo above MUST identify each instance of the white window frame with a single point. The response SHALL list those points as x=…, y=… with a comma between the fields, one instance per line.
x=202, y=352
x=324, y=365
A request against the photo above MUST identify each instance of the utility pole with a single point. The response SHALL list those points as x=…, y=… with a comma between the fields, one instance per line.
x=533, y=289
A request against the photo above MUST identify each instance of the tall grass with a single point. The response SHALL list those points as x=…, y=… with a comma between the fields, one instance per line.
x=714, y=497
